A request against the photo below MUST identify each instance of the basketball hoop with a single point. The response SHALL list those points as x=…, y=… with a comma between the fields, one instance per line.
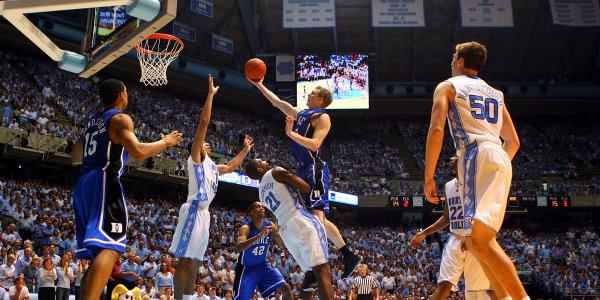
x=155, y=54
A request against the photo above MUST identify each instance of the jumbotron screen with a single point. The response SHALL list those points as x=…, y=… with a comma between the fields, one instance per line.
x=346, y=76
x=109, y=18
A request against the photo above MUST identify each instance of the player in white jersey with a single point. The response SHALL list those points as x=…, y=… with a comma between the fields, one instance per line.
x=478, y=118
x=191, y=235
x=302, y=232
x=455, y=259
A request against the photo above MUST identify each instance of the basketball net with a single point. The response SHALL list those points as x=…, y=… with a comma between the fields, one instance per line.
x=155, y=54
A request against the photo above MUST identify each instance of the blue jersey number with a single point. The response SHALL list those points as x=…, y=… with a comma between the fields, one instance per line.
x=272, y=201
x=484, y=108
x=89, y=148
x=454, y=210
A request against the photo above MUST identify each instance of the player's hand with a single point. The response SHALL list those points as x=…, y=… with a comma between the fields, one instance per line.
x=289, y=125
x=212, y=89
x=265, y=231
x=248, y=143
x=416, y=240
x=256, y=82
x=430, y=191
x=172, y=139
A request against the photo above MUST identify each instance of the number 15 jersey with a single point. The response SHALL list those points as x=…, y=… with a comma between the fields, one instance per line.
x=476, y=112
x=99, y=152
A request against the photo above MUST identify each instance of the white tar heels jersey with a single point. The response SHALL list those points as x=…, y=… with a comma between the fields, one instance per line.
x=476, y=112
x=279, y=198
x=203, y=181
x=455, y=208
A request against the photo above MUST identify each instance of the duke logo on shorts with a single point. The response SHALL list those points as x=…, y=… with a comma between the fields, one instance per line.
x=100, y=208
x=475, y=118
x=303, y=234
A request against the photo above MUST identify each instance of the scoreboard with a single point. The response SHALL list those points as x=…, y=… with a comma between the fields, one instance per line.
x=555, y=202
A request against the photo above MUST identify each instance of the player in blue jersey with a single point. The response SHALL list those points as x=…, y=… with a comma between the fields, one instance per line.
x=308, y=129
x=486, y=141
x=100, y=208
x=252, y=269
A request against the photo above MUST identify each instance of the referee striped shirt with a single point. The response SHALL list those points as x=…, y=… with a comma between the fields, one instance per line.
x=364, y=285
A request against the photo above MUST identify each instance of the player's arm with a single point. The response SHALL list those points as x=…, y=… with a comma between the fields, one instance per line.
x=284, y=106
x=236, y=161
x=275, y=234
x=322, y=127
x=121, y=131
x=285, y=177
x=198, y=152
x=242, y=242
x=77, y=153
x=509, y=134
x=438, y=225
x=442, y=96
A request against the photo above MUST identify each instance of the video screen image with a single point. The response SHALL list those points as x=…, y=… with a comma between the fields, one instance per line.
x=346, y=76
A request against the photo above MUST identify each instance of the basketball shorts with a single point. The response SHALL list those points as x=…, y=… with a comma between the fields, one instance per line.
x=456, y=261
x=304, y=236
x=317, y=176
x=100, y=214
x=485, y=173
x=248, y=278
x=190, y=239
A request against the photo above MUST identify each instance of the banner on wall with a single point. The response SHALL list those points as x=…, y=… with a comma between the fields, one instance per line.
x=398, y=13
x=203, y=7
x=580, y=13
x=284, y=68
x=184, y=32
x=308, y=13
x=222, y=44
x=486, y=13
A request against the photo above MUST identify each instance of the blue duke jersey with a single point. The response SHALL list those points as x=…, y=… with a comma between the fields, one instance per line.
x=304, y=157
x=99, y=152
x=257, y=253
x=455, y=208
x=476, y=112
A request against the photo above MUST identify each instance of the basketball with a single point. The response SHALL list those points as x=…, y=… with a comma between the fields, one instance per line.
x=255, y=69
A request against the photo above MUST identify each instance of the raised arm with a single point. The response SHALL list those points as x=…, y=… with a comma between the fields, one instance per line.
x=286, y=108
x=77, y=153
x=236, y=161
x=509, y=134
x=275, y=234
x=442, y=96
x=121, y=131
x=322, y=126
x=285, y=177
x=198, y=152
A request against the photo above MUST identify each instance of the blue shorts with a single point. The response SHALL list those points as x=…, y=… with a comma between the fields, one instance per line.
x=100, y=214
x=317, y=176
x=248, y=278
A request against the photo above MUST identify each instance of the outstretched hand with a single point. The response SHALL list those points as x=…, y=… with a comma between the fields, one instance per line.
x=212, y=89
x=255, y=82
x=172, y=139
x=417, y=239
x=431, y=192
x=248, y=143
x=265, y=231
x=289, y=124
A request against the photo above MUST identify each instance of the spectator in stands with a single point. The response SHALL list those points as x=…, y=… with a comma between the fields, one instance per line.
x=64, y=275
x=164, y=279
x=8, y=272
x=19, y=291
x=45, y=280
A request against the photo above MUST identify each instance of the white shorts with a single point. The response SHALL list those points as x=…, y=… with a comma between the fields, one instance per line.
x=456, y=261
x=304, y=236
x=485, y=173
x=191, y=235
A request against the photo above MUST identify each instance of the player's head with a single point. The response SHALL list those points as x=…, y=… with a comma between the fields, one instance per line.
x=257, y=210
x=454, y=164
x=468, y=56
x=256, y=168
x=320, y=97
x=113, y=92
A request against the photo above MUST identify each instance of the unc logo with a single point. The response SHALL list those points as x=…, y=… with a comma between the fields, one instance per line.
x=116, y=227
x=468, y=219
x=285, y=68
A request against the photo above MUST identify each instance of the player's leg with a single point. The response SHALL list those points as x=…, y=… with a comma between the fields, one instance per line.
x=185, y=277
x=488, y=252
x=325, y=288
x=286, y=292
x=271, y=280
x=477, y=283
x=442, y=290
x=95, y=278
x=451, y=267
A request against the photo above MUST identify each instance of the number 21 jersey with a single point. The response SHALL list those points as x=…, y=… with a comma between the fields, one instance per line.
x=279, y=198
x=476, y=112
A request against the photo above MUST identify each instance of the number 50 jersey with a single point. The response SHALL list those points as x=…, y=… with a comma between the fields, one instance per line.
x=476, y=112
x=99, y=152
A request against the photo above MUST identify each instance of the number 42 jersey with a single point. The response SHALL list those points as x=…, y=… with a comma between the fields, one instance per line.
x=257, y=253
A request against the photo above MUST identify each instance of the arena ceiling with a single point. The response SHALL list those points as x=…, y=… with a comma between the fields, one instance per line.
x=533, y=49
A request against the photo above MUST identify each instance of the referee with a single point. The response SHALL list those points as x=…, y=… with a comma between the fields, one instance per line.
x=364, y=285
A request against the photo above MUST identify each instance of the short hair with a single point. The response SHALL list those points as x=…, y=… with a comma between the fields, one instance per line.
x=110, y=90
x=252, y=205
x=252, y=169
x=474, y=54
x=326, y=94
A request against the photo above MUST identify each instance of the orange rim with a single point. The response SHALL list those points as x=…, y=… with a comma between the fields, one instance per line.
x=145, y=51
